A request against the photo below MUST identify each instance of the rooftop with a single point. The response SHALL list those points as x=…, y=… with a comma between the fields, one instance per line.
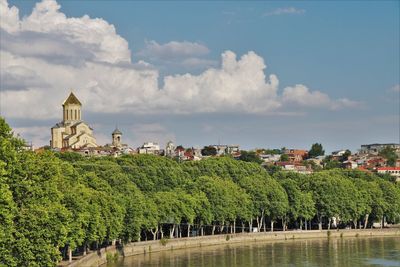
x=72, y=99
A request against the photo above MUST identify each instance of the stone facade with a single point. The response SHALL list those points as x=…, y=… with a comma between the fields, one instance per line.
x=72, y=132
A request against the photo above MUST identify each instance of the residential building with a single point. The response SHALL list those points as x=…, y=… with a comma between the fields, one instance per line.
x=393, y=171
x=349, y=164
x=270, y=158
x=170, y=149
x=376, y=148
x=149, y=148
x=226, y=149
x=296, y=155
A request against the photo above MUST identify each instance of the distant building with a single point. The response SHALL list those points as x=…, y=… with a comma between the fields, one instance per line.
x=393, y=171
x=349, y=164
x=170, y=150
x=296, y=155
x=270, y=158
x=116, y=138
x=376, y=148
x=338, y=153
x=149, y=148
x=294, y=167
x=226, y=149
x=72, y=132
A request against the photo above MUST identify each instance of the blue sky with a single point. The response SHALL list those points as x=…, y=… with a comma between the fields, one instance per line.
x=344, y=50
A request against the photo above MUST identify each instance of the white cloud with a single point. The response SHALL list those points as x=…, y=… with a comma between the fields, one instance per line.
x=95, y=35
x=46, y=54
x=177, y=56
x=395, y=88
x=173, y=50
x=284, y=11
x=300, y=96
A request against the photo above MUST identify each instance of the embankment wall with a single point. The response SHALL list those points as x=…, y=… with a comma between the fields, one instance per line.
x=100, y=257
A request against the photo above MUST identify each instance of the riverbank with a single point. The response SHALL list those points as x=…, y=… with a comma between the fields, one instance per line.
x=100, y=257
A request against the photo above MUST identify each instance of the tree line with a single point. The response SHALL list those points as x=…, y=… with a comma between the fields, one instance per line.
x=56, y=204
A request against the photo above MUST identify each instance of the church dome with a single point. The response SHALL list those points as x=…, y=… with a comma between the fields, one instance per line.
x=117, y=131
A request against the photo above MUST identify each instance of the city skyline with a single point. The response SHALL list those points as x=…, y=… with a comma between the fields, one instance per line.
x=162, y=73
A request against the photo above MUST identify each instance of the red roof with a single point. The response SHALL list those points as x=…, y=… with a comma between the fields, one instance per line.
x=388, y=169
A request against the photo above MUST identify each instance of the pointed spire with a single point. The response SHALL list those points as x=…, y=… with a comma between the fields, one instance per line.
x=72, y=99
x=116, y=131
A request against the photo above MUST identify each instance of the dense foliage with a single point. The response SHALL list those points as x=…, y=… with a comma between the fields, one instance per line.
x=316, y=150
x=55, y=203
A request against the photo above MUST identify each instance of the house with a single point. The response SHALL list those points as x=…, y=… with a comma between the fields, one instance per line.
x=338, y=154
x=294, y=167
x=349, y=164
x=149, y=148
x=296, y=155
x=374, y=149
x=393, y=171
x=226, y=149
x=270, y=158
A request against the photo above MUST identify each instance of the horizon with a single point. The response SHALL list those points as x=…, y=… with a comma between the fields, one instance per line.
x=257, y=74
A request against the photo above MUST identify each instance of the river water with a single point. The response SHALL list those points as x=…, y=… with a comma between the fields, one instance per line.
x=374, y=251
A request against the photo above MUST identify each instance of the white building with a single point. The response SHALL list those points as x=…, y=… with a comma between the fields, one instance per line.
x=149, y=148
x=270, y=158
x=170, y=149
x=393, y=171
x=226, y=149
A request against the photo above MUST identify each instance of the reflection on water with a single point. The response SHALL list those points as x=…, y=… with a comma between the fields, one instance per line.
x=334, y=252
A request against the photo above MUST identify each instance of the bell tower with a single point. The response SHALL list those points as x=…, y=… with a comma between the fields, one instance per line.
x=71, y=109
x=116, y=137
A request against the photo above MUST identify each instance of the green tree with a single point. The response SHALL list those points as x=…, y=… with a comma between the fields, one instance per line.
x=301, y=204
x=209, y=151
x=389, y=154
x=316, y=150
x=250, y=157
x=345, y=156
x=7, y=229
x=284, y=157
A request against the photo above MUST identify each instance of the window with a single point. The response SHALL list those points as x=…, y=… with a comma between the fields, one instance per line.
x=76, y=115
x=66, y=111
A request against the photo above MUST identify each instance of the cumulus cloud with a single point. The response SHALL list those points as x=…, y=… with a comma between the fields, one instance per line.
x=177, y=56
x=285, y=11
x=46, y=54
x=300, y=96
x=173, y=49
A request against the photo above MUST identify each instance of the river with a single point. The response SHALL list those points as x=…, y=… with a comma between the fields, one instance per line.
x=369, y=251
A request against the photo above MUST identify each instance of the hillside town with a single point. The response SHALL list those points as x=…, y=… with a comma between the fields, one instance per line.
x=74, y=135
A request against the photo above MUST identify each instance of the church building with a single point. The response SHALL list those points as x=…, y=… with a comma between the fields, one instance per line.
x=72, y=132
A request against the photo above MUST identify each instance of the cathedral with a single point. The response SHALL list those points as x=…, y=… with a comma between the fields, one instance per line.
x=72, y=132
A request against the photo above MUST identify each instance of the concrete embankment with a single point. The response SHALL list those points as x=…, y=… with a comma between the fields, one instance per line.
x=100, y=257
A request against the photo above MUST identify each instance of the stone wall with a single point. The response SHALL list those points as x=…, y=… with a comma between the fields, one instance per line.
x=137, y=248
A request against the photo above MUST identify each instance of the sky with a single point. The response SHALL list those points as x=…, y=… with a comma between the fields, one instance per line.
x=259, y=74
